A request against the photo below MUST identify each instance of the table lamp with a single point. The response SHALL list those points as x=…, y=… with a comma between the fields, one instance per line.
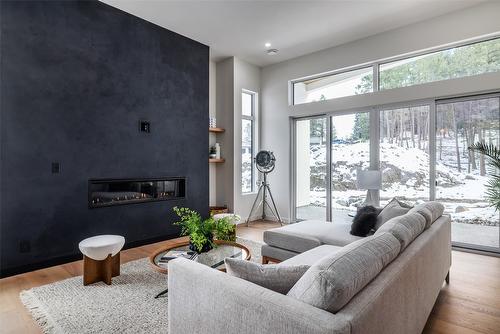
x=369, y=180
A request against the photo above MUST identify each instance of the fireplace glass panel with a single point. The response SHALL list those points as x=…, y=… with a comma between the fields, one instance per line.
x=116, y=192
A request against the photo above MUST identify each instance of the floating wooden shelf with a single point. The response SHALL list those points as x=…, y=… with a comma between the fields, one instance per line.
x=216, y=160
x=217, y=130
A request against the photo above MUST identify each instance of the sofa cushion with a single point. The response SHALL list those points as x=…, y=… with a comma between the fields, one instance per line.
x=312, y=256
x=276, y=253
x=279, y=278
x=332, y=281
x=300, y=237
x=405, y=228
x=393, y=209
x=430, y=210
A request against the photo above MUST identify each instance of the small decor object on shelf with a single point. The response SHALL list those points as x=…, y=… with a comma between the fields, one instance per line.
x=212, y=153
x=201, y=231
x=212, y=122
x=217, y=151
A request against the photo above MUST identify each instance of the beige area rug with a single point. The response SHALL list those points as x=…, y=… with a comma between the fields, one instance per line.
x=126, y=306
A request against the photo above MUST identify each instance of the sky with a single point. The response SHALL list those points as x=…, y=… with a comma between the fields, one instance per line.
x=343, y=125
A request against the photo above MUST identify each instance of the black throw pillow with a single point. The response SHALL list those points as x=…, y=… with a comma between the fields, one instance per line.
x=364, y=221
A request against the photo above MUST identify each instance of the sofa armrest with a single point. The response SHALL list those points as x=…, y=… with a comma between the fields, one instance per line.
x=205, y=300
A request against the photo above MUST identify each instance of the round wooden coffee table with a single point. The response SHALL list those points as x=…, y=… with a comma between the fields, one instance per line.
x=213, y=258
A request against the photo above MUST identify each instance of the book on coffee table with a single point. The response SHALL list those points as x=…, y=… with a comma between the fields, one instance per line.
x=176, y=254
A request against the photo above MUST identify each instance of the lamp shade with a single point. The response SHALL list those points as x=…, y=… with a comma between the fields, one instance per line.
x=369, y=179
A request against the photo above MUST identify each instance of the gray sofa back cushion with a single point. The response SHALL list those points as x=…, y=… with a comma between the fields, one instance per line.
x=333, y=280
x=279, y=278
x=405, y=228
x=430, y=210
x=393, y=209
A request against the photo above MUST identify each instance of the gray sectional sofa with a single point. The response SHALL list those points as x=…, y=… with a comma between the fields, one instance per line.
x=378, y=287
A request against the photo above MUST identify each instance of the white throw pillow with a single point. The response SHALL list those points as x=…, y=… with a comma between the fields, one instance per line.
x=393, y=209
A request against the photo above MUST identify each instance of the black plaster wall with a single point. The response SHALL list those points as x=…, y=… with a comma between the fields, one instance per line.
x=76, y=78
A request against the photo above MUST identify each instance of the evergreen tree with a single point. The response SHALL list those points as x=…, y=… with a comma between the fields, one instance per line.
x=361, y=129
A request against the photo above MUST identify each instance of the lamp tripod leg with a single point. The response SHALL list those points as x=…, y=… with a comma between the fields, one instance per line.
x=271, y=209
x=253, y=205
x=274, y=205
x=264, y=186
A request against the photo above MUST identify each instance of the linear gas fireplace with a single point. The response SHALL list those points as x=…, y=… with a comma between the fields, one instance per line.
x=128, y=191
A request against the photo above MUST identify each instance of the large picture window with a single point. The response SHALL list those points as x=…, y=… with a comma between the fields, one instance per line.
x=247, y=141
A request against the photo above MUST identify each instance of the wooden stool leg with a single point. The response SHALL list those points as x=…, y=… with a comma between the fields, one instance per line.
x=96, y=271
x=116, y=265
x=107, y=270
x=91, y=270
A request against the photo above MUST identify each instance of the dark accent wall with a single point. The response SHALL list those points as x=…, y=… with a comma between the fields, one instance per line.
x=76, y=79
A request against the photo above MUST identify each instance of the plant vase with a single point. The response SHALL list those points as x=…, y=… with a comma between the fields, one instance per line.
x=207, y=246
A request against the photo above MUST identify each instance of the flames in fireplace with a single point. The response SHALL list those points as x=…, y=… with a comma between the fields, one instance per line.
x=108, y=192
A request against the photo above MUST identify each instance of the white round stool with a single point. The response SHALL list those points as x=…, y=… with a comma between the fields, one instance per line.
x=101, y=258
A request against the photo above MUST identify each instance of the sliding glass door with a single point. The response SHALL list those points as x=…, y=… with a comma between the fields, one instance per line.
x=310, y=168
x=350, y=151
x=404, y=154
x=422, y=152
x=462, y=175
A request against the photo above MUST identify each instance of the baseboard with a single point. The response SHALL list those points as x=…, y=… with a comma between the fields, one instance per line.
x=475, y=251
x=284, y=220
x=6, y=272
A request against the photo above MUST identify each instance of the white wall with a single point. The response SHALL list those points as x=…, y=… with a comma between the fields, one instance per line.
x=275, y=132
x=246, y=76
x=233, y=75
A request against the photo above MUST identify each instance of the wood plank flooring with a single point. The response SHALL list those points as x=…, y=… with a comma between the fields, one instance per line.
x=469, y=305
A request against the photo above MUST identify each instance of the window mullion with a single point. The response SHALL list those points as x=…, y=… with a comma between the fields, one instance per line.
x=376, y=77
x=432, y=151
x=328, y=168
x=375, y=147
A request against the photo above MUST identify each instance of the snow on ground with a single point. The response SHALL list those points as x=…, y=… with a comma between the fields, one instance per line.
x=405, y=175
x=411, y=160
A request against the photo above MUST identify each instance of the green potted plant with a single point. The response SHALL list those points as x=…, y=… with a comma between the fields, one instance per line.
x=493, y=186
x=201, y=231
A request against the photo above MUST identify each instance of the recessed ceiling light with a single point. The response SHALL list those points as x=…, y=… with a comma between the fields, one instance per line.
x=267, y=45
x=272, y=52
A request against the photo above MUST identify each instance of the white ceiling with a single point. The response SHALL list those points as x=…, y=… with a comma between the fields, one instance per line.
x=241, y=28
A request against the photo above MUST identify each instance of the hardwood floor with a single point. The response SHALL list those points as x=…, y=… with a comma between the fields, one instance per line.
x=470, y=304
